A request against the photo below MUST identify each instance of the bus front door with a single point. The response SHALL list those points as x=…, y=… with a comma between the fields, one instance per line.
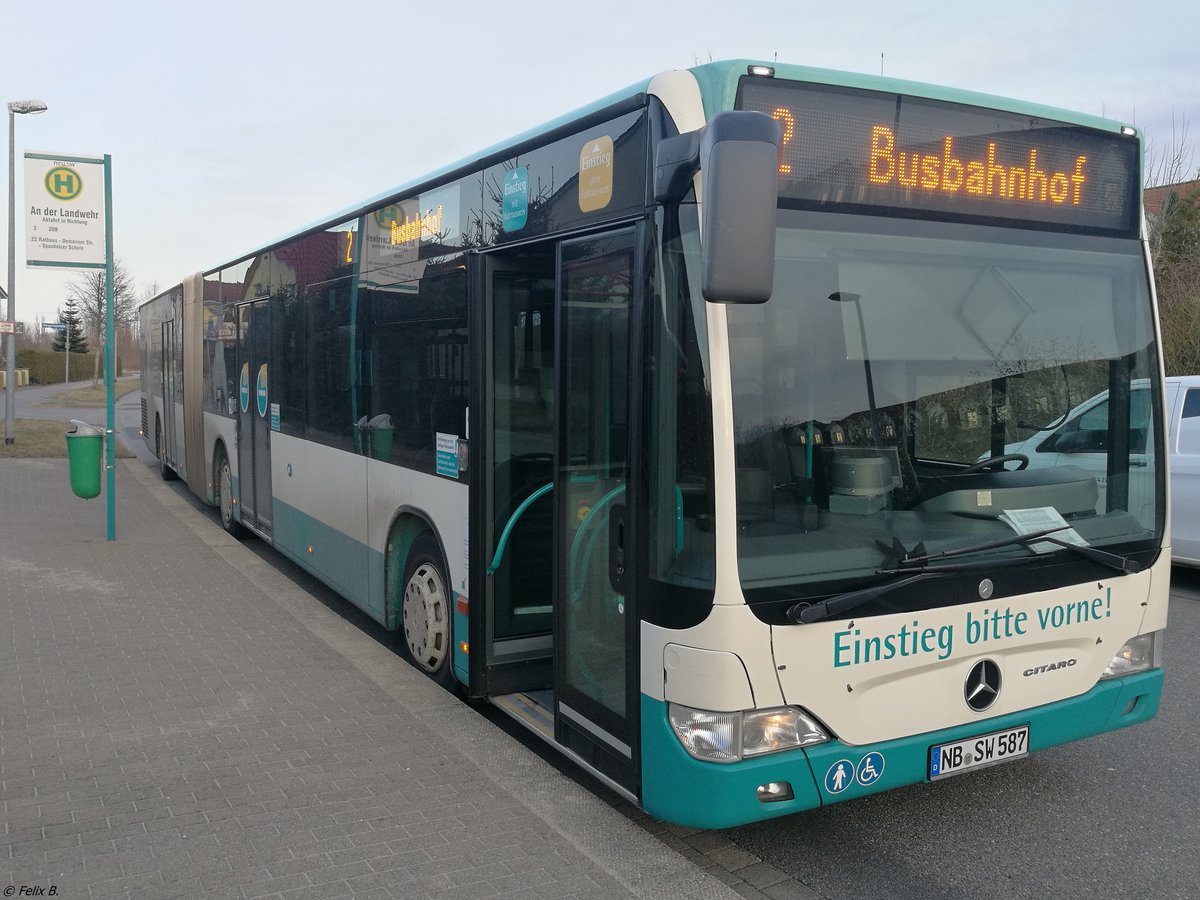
x=596, y=627
x=254, y=424
x=559, y=627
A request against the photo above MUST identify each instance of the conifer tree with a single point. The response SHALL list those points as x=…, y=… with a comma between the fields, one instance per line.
x=69, y=316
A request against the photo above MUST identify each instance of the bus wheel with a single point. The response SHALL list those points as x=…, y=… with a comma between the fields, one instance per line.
x=425, y=611
x=165, y=472
x=223, y=486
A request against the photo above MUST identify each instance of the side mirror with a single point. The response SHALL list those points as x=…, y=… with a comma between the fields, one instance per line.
x=739, y=160
x=737, y=154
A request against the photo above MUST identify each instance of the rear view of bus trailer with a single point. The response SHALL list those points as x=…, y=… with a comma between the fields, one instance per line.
x=720, y=432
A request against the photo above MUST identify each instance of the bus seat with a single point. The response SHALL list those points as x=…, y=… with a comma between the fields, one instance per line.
x=755, y=494
x=800, y=483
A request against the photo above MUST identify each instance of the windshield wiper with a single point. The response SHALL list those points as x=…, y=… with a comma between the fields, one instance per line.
x=1122, y=564
x=902, y=563
x=804, y=613
x=907, y=561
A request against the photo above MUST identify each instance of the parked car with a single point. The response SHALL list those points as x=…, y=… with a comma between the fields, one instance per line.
x=1183, y=444
x=1081, y=440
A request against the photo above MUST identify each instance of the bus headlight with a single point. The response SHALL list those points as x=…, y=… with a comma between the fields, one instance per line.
x=729, y=736
x=1138, y=655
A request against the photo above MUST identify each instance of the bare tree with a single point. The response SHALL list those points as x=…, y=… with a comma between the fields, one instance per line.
x=1177, y=280
x=88, y=291
x=1173, y=229
x=1174, y=162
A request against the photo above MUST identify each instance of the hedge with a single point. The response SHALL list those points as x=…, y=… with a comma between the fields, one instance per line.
x=48, y=366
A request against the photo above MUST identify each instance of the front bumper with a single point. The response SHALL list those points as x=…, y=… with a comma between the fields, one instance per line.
x=679, y=788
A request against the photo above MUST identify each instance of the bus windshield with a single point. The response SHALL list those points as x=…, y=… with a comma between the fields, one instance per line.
x=916, y=387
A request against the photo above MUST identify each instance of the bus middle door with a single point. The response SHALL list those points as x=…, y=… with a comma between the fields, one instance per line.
x=254, y=424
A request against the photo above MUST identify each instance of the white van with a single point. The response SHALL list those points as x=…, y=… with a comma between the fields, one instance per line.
x=1183, y=444
x=1081, y=440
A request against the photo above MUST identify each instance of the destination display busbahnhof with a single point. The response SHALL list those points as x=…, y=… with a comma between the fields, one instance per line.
x=928, y=158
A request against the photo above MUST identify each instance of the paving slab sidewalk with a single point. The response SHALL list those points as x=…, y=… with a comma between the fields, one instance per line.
x=179, y=719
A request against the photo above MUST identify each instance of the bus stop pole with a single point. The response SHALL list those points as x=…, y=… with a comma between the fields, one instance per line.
x=109, y=356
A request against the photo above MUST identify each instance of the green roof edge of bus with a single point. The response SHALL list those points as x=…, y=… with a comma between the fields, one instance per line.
x=356, y=209
x=718, y=85
x=719, y=80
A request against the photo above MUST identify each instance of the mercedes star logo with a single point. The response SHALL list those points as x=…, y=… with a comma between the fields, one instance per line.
x=983, y=685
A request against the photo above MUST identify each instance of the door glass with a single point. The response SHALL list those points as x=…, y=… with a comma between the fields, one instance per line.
x=1189, y=426
x=260, y=407
x=597, y=286
x=168, y=426
x=245, y=415
x=523, y=441
x=254, y=410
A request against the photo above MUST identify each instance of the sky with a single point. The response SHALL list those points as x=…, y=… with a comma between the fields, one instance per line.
x=231, y=124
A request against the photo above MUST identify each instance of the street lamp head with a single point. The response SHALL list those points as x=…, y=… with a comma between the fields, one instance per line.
x=24, y=107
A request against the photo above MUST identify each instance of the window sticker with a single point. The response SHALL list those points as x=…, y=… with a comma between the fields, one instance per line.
x=261, y=391
x=516, y=199
x=244, y=386
x=447, y=455
x=596, y=174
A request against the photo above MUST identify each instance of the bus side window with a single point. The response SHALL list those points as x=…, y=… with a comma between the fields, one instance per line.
x=419, y=368
x=1189, y=425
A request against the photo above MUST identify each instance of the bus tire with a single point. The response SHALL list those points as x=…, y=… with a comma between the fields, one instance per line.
x=426, y=606
x=165, y=472
x=223, y=488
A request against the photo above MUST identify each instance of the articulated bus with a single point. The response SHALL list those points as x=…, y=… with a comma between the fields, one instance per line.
x=677, y=429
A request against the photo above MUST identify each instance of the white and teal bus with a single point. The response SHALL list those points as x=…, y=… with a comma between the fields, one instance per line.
x=676, y=428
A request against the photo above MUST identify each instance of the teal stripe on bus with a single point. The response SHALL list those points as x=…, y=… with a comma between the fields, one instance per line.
x=681, y=789
x=336, y=558
x=347, y=566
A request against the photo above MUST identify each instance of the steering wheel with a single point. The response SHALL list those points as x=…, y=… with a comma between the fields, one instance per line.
x=985, y=464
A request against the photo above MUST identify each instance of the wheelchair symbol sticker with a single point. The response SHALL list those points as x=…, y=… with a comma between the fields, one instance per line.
x=869, y=769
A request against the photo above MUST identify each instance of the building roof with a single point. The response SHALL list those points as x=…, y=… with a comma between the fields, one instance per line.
x=1155, y=197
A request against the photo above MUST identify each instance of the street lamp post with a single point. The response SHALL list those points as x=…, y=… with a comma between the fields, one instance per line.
x=15, y=108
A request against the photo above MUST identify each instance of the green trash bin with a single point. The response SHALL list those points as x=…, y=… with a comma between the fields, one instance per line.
x=381, y=434
x=85, y=448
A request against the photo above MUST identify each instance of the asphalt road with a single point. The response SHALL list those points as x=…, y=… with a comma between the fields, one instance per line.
x=1115, y=815
x=34, y=402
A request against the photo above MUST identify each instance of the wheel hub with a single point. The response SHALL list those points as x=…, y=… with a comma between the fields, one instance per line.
x=226, y=489
x=426, y=622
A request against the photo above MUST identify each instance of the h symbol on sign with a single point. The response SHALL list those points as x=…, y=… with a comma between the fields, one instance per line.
x=64, y=183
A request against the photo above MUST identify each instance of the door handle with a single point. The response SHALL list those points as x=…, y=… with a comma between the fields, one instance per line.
x=616, y=549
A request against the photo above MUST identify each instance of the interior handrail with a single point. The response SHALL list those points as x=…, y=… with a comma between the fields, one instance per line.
x=501, y=544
